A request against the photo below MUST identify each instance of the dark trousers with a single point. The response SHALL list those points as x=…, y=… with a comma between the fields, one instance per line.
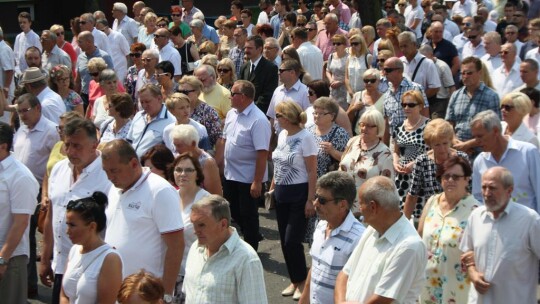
x=57, y=287
x=290, y=204
x=85, y=100
x=244, y=210
x=31, y=267
x=437, y=107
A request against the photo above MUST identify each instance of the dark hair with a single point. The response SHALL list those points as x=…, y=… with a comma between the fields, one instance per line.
x=167, y=67
x=319, y=4
x=533, y=94
x=320, y=87
x=259, y=42
x=291, y=17
x=246, y=87
x=340, y=184
x=300, y=33
x=175, y=31
x=86, y=125
x=452, y=161
x=120, y=147
x=144, y=284
x=6, y=135
x=265, y=29
x=247, y=12
x=238, y=4
x=194, y=161
x=477, y=62
x=91, y=209
x=161, y=158
x=138, y=46
x=25, y=15
x=123, y=104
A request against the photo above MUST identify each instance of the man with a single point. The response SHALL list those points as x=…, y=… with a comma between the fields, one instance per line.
x=213, y=93
x=534, y=53
x=148, y=124
x=521, y=158
x=124, y=24
x=7, y=68
x=475, y=46
x=439, y=103
x=259, y=71
x=324, y=39
x=381, y=27
x=461, y=39
x=451, y=26
x=489, y=26
x=167, y=51
x=17, y=204
x=442, y=48
x=464, y=8
x=311, y=28
x=218, y=256
x=118, y=47
x=311, y=57
x=336, y=234
x=144, y=220
x=520, y=21
x=87, y=23
x=414, y=15
x=52, y=54
x=528, y=71
x=24, y=40
x=504, y=238
x=534, y=30
x=52, y=105
x=88, y=51
x=389, y=262
x=77, y=176
x=492, y=44
x=474, y=92
x=208, y=31
x=266, y=7
x=506, y=78
x=281, y=7
x=511, y=35
x=137, y=7
x=150, y=59
x=416, y=67
x=32, y=56
x=237, y=52
x=509, y=9
x=188, y=11
x=393, y=112
x=342, y=8
x=272, y=51
x=242, y=153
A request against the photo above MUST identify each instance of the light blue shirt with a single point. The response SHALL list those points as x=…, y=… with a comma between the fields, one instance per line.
x=210, y=33
x=144, y=134
x=297, y=93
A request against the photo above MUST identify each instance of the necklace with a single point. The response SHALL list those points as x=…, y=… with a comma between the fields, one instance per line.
x=416, y=124
x=369, y=149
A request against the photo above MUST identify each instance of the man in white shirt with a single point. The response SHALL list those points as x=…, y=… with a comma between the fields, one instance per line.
x=506, y=78
x=118, y=46
x=311, y=56
x=124, y=24
x=414, y=14
x=52, y=105
x=221, y=267
x=52, y=54
x=389, y=262
x=511, y=34
x=492, y=44
x=504, y=238
x=266, y=7
x=272, y=51
x=489, y=26
x=528, y=71
x=24, y=40
x=87, y=23
x=7, y=69
x=475, y=45
x=167, y=51
x=464, y=8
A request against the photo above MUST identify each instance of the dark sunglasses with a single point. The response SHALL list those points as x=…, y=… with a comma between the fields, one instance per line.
x=409, y=105
x=311, y=30
x=223, y=70
x=283, y=70
x=355, y=43
x=311, y=93
x=323, y=200
x=507, y=107
x=175, y=15
x=96, y=74
x=454, y=177
x=185, y=92
x=82, y=22
x=473, y=37
x=159, y=36
x=278, y=115
x=59, y=33
x=136, y=55
x=381, y=60
x=401, y=4
x=370, y=80
x=337, y=43
x=503, y=52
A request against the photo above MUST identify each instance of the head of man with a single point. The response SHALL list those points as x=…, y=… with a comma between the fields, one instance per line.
x=242, y=94
x=254, y=47
x=331, y=22
x=437, y=31
x=439, y=9
x=29, y=110
x=207, y=75
x=280, y=7
x=119, y=10
x=508, y=54
x=520, y=16
x=25, y=21
x=103, y=25
x=334, y=196
x=483, y=12
x=34, y=80
x=382, y=26
x=6, y=139
x=475, y=34
x=379, y=202
x=528, y=70
x=486, y=130
x=121, y=164
x=87, y=22
x=48, y=40
x=137, y=7
x=211, y=218
x=467, y=24
x=187, y=5
x=427, y=51
x=509, y=9
x=33, y=57
x=497, y=187
x=393, y=70
x=289, y=72
x=80, y=142
x=271, y=48
x=299, y=35
x=150, y=58
x=407, y=44
x=240, y=36
x=161, y=37
x=86, y=42
x=151, y=99
x=492, y=43
x=471, y=72
x=311, y=28
x=511, y=33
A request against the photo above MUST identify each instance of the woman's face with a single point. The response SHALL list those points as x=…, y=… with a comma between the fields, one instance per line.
x=368, y=130
x=109, y=86
x=371, y=82
x=148, y=163
x=312, y=96
x=410, y=106
x=181, y=147
x=509, y=113
x=185, y=174
x=196, y=31
x=227, y=31
x=148, y=62
x=135, y=56
x=453, y=180
x=161, y=76
x=441, y=147
x=322, y=117
x=60, y=35
x=188, y=90
x=62, y=81
x=339, y=47
x=224, y=72
x=78, y=230
x=182, y=111
x=150, y=24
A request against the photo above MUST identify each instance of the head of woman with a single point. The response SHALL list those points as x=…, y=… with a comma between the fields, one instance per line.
x=439, y=135
x=358, y=45
x=318, y=88
x=162, y=22
x=150, y=20
x=412, y=103
x=65, y=118
x=265, y=31
x=225, y=70
x=179, y=105
x=371, y=79
x=95, y=66
x=228, y=28
x=121, y=106
x=149, y=60
x=386, y=44
x=158, y=159
x=456, y=174
x=301, y=20
x=141, y=287
x=290, y=19
x=75, y=26
x=190, y=86
x=219, y=23
x=325, y=111
x=187, y=171
x=108, y=82
x=207, y=47
x=176, y=14
x=392, y=35
x=164, y=72
x=60, y=33
x=60, y=78
x=185, y=138
x=368, y=32
x=534, y=96
x=514, y=106
x=246, y=15
x=371, y=125
x=340, y=43
x=382, y=56
x=290, y=113
x=196, y=26
x=85, y=217
x=135, y=53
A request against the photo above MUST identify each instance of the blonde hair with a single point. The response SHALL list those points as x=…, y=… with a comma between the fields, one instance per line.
x=175, y=99
x=192, y=81
x=521, y=102
x=438, y=130
x=416, y=96
x=97, y=63
x=339, y=38
x=375, y=117
x=292, y=112
x=363, y=46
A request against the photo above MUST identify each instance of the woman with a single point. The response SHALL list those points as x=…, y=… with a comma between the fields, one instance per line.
x=264, y=30
x=442, y=225
x=164, y=73
x=61, y=81
x=94, y=269
x=188, y=177
x=146, y=32
x=408, y=140
x=64, y=45
x=369, y=98
x=531, y=120
x=291, y=53
x=203, y=113
x=368, y=32
x=187, y=49
x=318, y=13
x=295, y=175
x=162, y=22
x=226, y=42
x=179, y=105
x=121, y=110
x=135, y=53
x=218, y=24
x=514, y=107
x=185, y=139
x=176, y=16
x=206, y=48
x=226, y=73
x=245, y=17
x=141, y=287
x=320, y=88
x=357, y=63
x=289, y=23
x=425, y=179
x=386, y=44
x=159, y=159
x=335, y=71
x=197, y=37
x=95, y=66
x=366, y=155
x=108, y=83
x=75, y=30
x=391, y=35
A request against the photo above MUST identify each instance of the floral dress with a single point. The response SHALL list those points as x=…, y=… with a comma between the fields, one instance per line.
x=447, y=282
x=337, y=67
x=339, y=140
x=208, y=117
x=131, y=80
x=72, y=100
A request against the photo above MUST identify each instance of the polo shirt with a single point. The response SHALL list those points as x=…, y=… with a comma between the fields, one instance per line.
x=210, y=33
x=127, y=27
x=168, y=52
x=297, y=93
x=144, y=134
x=56, y=57
x=445, y=51
x=219, y=99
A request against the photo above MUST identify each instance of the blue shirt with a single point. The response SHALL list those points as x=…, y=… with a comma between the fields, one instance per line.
x=275, y=23
x=392, y=101
x=210, y=33
x=445, y=51
x=82, y=67
x=144, y=134
x=237, y=56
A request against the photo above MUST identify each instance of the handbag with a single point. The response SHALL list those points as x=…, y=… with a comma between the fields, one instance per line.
x=334, y=164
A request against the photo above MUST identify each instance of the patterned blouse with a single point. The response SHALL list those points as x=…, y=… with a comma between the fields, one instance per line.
x=107, y=133
x=340, y=137
x=72, y=100
x=208, y=117
x=131, y=80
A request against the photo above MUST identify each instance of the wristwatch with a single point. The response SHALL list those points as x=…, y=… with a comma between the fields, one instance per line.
x=3, y=261
x=167, y=298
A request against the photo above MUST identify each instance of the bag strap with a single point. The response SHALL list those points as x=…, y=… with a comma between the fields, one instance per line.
x=417, y=67
x=365, y=59
x=332, y=134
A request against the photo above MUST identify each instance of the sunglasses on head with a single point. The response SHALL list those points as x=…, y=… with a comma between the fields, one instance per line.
x=185, y=92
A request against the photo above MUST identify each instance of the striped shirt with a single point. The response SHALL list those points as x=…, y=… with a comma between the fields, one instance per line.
x=392, y=101
x=237, y=56
x=329, y=255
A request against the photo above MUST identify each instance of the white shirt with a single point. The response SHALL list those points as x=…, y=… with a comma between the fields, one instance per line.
x=534, y=54
x=392, y=265
x=506, y=82
x=468, y=8
x=52, y=105
x=22, y=42
x=99, y=112
x=101, y=40
x=127, y=27
x=470, y=50
x=263, y=18
x=297, y=93
x=506, y=250
x=447, y=80
x=459, y=41
x=151, y=205
x=311, y=59
x=452, y=27
x=490, y=26
x=18, y=192
x=33, y=147
x=119, y=49
x=522, y=133
x=62, y=189
x=427, y=75
x=411, y=15
x=491, y=62
x=168, y=52
x=55, y=57
x=7, y=63
x=289, y=157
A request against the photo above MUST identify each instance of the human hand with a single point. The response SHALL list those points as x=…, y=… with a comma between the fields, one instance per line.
x=479, y=282
x=309, y=210
x=255, y=190
x=46, y=274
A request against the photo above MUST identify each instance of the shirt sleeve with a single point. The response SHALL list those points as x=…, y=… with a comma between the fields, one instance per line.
x=260, y=133
x=251, y=287
x=476, y=179
x=309, y=145
x=166, y=211
x=23, y=194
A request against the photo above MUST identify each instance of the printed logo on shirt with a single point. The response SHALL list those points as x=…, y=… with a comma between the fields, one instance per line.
x=134, y=206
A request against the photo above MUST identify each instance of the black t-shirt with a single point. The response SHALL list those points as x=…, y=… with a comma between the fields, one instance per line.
x=183, y=51
x=445, y=51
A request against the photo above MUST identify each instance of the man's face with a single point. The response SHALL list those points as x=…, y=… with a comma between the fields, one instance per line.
x=120, y=174
x=161, y=38
x=393, y=74
x=407, y=48
x=286, y=76
x=496, y=197
x=207, y=80
x=117, y=14
x=207, y=229
x=33, y=59
x=239, y=36
x=148, y=61
x=509, y=12
x=80, y=149
x=29, y=115
x=491, y=47
x=527, y=74
x=519, y=18
x=437, y=32
x=510, y=35
x=330, y=24
x=469, y=75
x=327, y=207
x=312, y=31
x=237, y=99
x=251, y=52
x=85, y=24
x=151, y=104
x=474, y=36
x=46, y=42
x=25, y=24
x=136, y=11
x=278, y=7
x=187, y=4
x=508, y=54
x=485, y=139
x=270, y=52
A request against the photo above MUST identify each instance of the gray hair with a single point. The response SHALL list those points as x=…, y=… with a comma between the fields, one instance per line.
x=488, y=119
x=374, y=117
x=381, y=190
x=208, y=68
x=493, y=37
x=340, y=184
x=121, y=7
x=152, y=52
x=409, y=36
x=196, y=23
x=89, y=18
x=107, y=75
x=52, y=35
x=426, y=49
x=504, y=175
x=217, y=205
x=198, y=16
x=373, y=72
x=187, y=134
x=273, y=42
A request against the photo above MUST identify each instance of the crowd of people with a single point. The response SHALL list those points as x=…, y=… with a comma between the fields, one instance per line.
x=404, y=153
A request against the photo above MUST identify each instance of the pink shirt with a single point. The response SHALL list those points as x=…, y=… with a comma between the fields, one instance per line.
x=324, y=42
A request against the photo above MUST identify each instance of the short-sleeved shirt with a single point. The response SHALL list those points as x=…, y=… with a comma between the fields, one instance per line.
x=169, y=53
x=144, y=134
x=426, y=74
x=289, y=164
x=506, y=81
x=52, y=105
x=445, y=51
x=7, y=63
x=297, y=93
x=127, y=27
x=82, y=66
x=55, y=57
x=392, y=101
x=219, y=99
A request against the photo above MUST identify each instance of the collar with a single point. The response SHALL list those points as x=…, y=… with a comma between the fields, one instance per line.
x=394, y=232
x=295, y=87
x=512, y=145
x=247, y=110
x=39, y=127
x=229, y=245
x=31, y=31
x=415, y=59
x=6, y=163
x=346, y=226
x=256, y=62
x=144, y=176
x=95, y=165
x=306, y=44
x=162, y=113
x=480, y=88
x=55, y=50
x=507, y=210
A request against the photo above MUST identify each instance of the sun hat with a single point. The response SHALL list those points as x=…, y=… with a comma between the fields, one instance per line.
x=32, y=75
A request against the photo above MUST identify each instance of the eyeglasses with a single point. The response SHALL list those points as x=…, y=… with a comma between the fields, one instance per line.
x=320, y=113
x=467, y=24
x=159, y=36
x=175, y=15
x=473, y=37
x=59, y=33
x=390, y=70
x=408, y=105
x=283, y=70
x=365, y=125
x=136, y=55
x=504, y=52
x=236, y=93
x=223, y=70
x=312, y=29
x=180, y=170
x=467, y=73
x=62, y=79
x=82, y=22
x=161, y=25
x=185, y=92
x=337, y=43
x=22, y=111
x=301, y=24
x=160, y=74
x=311, y=93
x=370, y=80
x=146, y=59
x=278, y=115
x=96, y=74
x=507, y=107
x=454, y=177
x=355, y=43
x=322, y=200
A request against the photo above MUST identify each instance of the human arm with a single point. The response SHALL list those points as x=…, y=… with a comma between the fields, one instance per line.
x=8, y=77
x=340, y=289
x=478, y=280
x=13, y=238
x=311, y=167
x=46, y=274
x=260, y=169
x=304, y=299
x=63, y=298
x=220, y=151
x=377, y=299
x=386, y=136
x=77, y=83
x=431, y=92
x=347, y=80
x=455, y=65
x=194, y=52
x=110, y=279
x=174, y=243
x=212, y=180
x=343, y=121
x=408, y=207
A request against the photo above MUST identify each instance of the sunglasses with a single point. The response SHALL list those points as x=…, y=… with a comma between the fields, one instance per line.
x=408, y=105
x=283, y=70
x=355, y=43
x=223, y=70
x=96, y=74
x=136, y=55
x=370, y=80
x=59, y=33
x=454, y=177
x=278, y=115
x=473, y=37
x=185, y=92
x=390, y=70
x=175, y=15
x=381, y=60
x=311, y=30
x=337, y=43
x=311, y=93
x=159, y=36
x=401, y=4
x=507, y=107
x=180, y=170
x=365, y=125
x=504, y=52
x=161, y=25
x=82, y=22
x=322, y=200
